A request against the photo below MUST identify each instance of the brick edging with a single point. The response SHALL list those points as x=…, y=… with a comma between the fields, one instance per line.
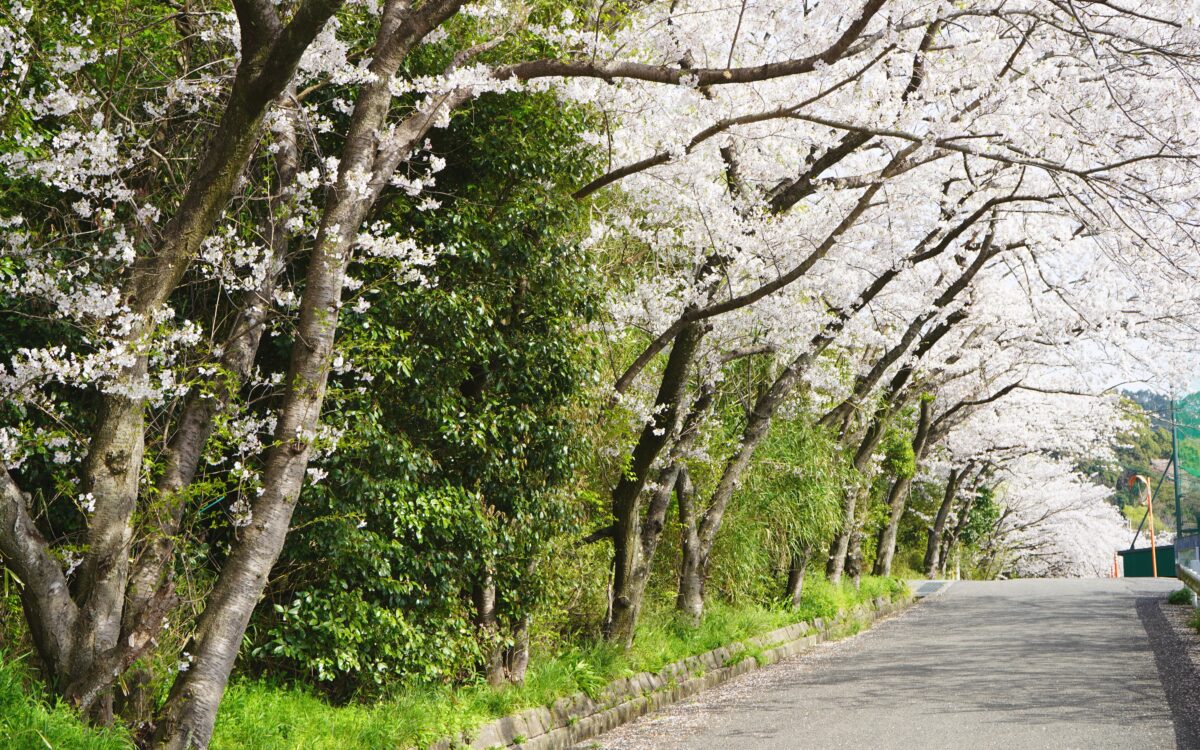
x=578, y=717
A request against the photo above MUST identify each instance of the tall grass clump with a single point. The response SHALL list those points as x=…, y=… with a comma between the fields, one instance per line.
x=30, y=721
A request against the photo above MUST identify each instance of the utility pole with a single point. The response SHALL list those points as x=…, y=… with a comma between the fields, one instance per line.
x=1175, y=464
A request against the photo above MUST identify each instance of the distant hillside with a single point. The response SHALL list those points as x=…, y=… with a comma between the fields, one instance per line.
x=1156, y=405
x=1146, y=449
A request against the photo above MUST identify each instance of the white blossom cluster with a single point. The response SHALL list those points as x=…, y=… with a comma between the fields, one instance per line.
x=1082, y=146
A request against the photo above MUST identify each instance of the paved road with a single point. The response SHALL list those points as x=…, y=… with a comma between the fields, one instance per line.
x=1013, y=665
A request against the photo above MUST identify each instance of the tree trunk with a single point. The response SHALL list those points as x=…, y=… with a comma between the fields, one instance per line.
x=483, y=597
x=630, y=568
x=796, y=570
x=847, y=544
x=933, y=547
x=839, y=549
x=854, y=553
x=689, y=599
x=886, y=546
x=516, y=658
x=90, y=651
x=695, y=565
x=203, y=405
x=148, y=580
x=960, y=523
x=191, y=708
x=898, y=495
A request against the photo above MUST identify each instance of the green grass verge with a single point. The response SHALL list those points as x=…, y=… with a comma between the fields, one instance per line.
x=267, y=717
x=29, y=721
x=261, y=716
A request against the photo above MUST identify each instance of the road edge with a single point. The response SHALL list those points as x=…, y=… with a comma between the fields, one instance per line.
x=579, y=717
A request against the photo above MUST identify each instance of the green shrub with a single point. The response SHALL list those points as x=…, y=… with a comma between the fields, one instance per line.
x=453, y=466
x=1182, y=596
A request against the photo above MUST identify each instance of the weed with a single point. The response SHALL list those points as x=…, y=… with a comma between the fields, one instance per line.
x=1181, y=596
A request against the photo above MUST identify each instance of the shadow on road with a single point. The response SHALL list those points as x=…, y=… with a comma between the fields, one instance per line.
x=1014, y=665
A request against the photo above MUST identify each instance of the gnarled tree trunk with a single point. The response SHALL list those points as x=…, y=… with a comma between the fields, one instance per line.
x=191, y=708
x=933, y=547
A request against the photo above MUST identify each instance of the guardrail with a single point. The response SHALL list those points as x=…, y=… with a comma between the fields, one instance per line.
x=1190, y=578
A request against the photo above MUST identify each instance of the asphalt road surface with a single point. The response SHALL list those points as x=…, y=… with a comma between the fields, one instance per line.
x=1016, y=665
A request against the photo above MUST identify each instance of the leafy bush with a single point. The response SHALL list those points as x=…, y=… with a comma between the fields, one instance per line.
x=790, y=500
x=1180, y=596
x=454, y=461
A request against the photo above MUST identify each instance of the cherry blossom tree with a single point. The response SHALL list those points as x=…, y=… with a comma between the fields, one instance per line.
x=959, y=137
x=806, y=189
x=155, y=195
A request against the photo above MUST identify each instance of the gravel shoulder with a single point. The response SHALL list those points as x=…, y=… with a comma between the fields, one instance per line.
x=1008, y=665
x=1176, y=647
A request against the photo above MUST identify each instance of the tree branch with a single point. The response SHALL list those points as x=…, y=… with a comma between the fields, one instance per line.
x=700, y=77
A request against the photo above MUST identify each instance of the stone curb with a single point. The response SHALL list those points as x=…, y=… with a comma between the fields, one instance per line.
x=579, y=717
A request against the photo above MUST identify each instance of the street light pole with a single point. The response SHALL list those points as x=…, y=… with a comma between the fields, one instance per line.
x=1147, y=519
x=1150, y=511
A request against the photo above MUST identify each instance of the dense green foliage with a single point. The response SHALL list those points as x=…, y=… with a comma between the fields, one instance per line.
x=790, y=502
x=457, y=450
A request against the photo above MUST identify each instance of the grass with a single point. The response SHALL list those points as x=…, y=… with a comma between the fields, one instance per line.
x=1194, y=621
x=262, y=716
x=29, y=721
x=268, y=717
x=1180, y=596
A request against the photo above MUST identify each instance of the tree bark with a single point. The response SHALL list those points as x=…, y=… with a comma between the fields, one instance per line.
x=689, y=599
x=835, y=566
x=857, y=497
x=50, y=612
x=148, y=581
x=886, y=545
x=898, y=496
x=796, y=570
x=516, y=658
x=962, y=515
x=854, y=552
x=112, y=469
x=483, y=597
x=630, y=566
x=190, y=711
x=933, y=547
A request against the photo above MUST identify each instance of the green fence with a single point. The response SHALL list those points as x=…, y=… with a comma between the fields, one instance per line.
x=1137, y=562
